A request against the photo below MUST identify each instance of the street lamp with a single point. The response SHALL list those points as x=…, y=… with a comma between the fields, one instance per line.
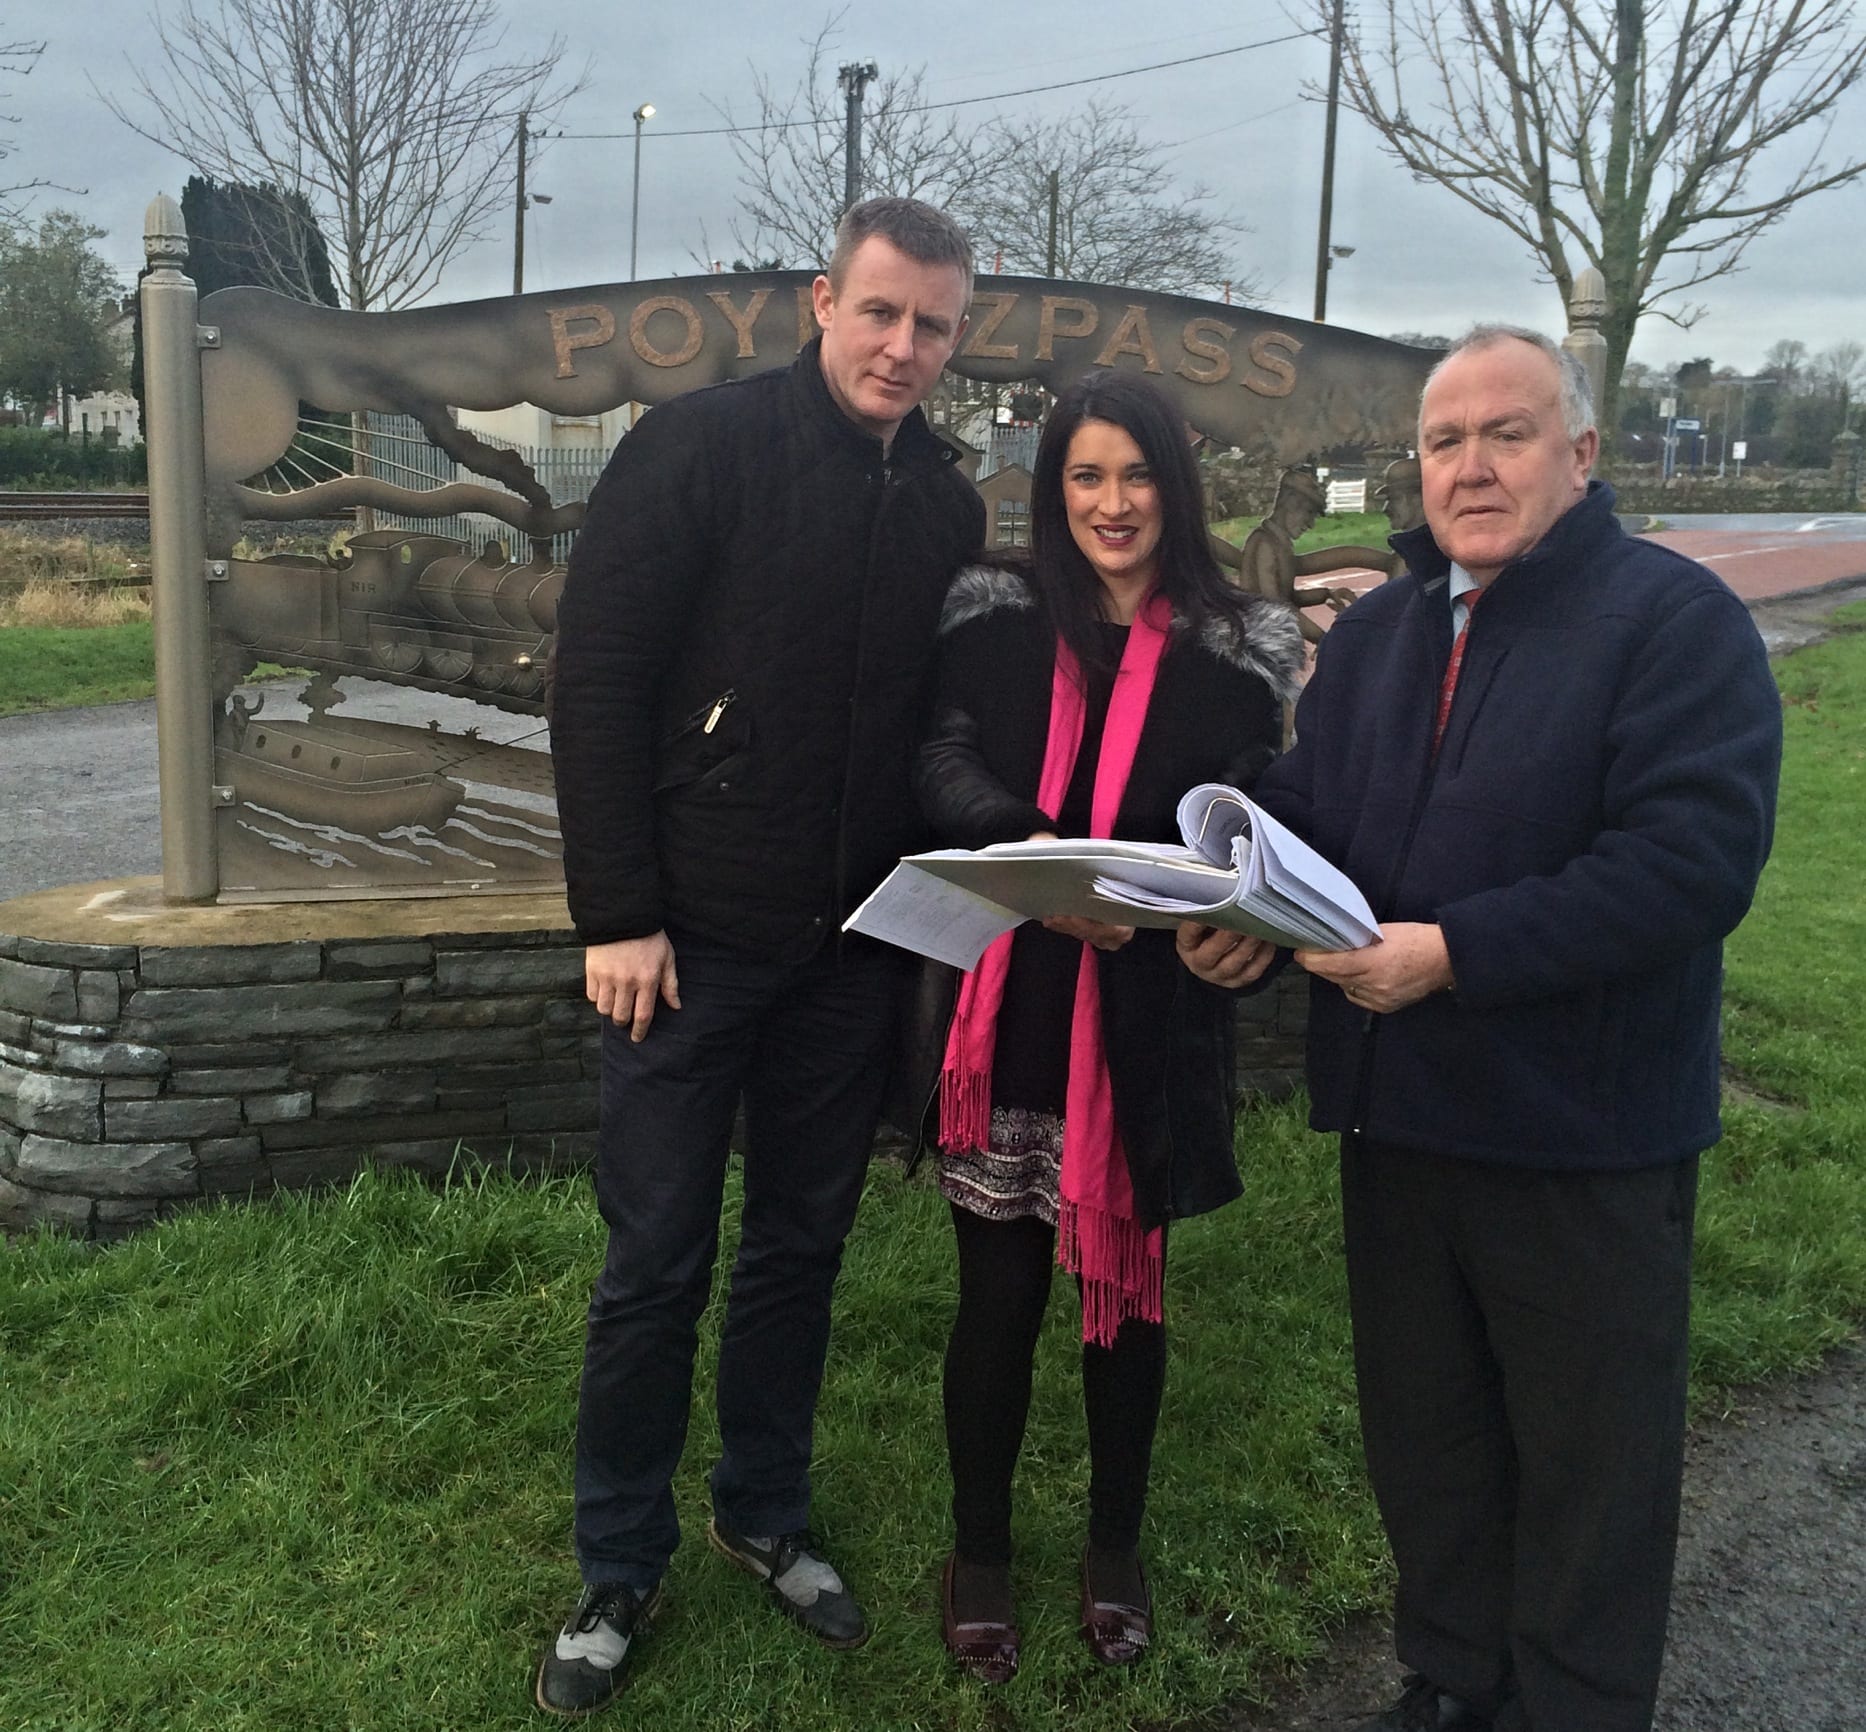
x=634, y=212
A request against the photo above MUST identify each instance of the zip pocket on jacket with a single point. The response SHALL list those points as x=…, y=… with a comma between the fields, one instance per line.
x=705, y=719
x=713, y=735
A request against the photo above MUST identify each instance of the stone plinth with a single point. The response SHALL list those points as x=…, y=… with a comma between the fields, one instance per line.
x=151, y=1057
x=1271, y=1027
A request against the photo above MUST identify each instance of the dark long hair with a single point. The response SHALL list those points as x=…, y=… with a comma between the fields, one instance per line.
x=1065, y=581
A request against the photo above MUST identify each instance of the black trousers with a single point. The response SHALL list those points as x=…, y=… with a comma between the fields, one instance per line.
x=1004, y=1285
x=1520, y=1346
x=808, y=1047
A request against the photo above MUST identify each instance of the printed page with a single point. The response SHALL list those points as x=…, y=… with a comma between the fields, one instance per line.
x=931, y=917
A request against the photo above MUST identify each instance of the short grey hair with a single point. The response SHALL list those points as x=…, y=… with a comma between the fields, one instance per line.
x=926, y=235
x=1577, y=394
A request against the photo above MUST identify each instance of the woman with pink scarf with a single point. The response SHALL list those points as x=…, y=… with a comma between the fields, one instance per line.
x=1084, y=1099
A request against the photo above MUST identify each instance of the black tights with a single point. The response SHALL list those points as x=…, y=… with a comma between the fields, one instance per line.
x=1004, y=1284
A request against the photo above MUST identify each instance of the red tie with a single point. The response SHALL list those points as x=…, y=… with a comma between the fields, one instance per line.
x=1449, y=684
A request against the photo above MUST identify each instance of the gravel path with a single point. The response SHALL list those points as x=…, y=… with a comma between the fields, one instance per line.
x=1768, y=1630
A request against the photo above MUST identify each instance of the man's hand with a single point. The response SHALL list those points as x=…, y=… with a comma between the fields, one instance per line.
x=1406, y=963
x=1224, y=958
x=624, y=979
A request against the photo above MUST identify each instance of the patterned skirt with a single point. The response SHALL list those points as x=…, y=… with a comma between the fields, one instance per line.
x=1017, y=1176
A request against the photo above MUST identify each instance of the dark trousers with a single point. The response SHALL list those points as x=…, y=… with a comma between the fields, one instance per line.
x=1520, y=1349
x=1004, y=1285
x=807, y=1046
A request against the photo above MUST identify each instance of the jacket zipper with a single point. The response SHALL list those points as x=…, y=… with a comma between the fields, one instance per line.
x=705, y=718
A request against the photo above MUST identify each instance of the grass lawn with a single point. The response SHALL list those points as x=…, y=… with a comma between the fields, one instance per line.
x=307, y=1465
x=1347, y=529
x=58, y=667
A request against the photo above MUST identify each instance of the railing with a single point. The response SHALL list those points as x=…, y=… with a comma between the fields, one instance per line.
x=399, y=448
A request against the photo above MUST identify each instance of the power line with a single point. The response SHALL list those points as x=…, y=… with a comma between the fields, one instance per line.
x=970, y=101
x=1233, y=125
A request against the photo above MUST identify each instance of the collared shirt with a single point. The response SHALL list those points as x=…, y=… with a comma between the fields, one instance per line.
x=1461, y=585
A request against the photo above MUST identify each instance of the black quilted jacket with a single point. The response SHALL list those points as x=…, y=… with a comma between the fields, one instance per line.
x=744, y=648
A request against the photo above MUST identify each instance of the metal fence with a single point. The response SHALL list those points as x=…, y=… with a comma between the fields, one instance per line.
x=400, y=450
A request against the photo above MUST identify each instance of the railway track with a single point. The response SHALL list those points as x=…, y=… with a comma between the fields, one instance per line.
x=40, y=507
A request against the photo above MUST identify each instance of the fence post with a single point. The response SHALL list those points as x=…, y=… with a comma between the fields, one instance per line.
x=174, y=438
x=1586, y=308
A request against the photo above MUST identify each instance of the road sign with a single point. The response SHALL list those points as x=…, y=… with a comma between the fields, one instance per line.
x=1739, y=449
x=1682, y=426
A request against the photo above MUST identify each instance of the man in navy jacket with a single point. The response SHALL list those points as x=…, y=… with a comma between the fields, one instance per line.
x=1548, y=754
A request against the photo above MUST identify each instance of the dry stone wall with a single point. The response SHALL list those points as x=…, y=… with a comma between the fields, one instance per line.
x=136, y=1079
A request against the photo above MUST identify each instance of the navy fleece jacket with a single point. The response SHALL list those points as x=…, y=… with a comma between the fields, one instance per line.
x=1594, y=824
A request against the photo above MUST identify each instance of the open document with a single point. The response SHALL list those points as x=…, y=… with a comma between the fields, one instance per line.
x=1237, y=868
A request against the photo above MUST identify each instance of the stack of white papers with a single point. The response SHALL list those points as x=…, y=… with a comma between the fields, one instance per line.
x=1237, y=868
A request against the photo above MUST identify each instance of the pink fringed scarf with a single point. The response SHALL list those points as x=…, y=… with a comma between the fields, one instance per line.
x=1098, y=1237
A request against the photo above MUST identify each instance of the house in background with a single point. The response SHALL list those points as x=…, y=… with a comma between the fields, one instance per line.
x=111, y=417
x=1006, y=493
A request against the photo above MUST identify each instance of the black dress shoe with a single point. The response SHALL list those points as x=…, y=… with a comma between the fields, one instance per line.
x=1424, y=1707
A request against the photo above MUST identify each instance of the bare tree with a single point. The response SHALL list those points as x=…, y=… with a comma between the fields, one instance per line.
x=1839, y=370
x=1787, y=362
x=791, y=156
x=1631, y=135
x=1119, y=219
x=389, y=116
x=16, y=60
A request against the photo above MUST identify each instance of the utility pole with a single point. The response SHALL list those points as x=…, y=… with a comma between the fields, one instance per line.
x=1049, y=268
x=854, y=80
x=1322, y=260
x=518, y=214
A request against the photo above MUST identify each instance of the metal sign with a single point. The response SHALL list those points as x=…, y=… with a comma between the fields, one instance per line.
x=307, y=801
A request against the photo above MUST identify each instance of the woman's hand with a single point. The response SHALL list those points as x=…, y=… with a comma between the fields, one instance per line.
x=1221, y=957
x=1096, y=932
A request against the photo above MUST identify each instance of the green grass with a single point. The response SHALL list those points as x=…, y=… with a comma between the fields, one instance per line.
x=61, y=668
x=307, y=1465
x=1782, y=1224
x=58, y=667
x=1348, y=529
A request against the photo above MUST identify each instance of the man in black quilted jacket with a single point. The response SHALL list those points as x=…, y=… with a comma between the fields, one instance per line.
x=743, y=645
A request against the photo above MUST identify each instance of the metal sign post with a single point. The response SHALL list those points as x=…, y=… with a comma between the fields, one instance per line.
x=178, y=559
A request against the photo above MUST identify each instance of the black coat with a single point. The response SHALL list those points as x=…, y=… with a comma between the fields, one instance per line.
x=1592, y=826
x=1216, y=716
x=744, y=644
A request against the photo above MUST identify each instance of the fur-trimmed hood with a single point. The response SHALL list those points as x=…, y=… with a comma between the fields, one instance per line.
x=1266, y=642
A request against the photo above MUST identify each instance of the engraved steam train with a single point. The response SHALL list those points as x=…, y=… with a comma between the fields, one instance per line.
x=412, y=609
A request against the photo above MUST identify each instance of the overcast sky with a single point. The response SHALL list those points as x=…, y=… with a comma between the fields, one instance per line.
x=1235, y=122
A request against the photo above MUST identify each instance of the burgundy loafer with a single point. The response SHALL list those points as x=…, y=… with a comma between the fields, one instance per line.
x=1117, y=1635
x=985, y=1648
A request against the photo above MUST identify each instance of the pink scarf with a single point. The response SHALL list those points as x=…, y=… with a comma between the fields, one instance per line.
x=1098, y=1237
